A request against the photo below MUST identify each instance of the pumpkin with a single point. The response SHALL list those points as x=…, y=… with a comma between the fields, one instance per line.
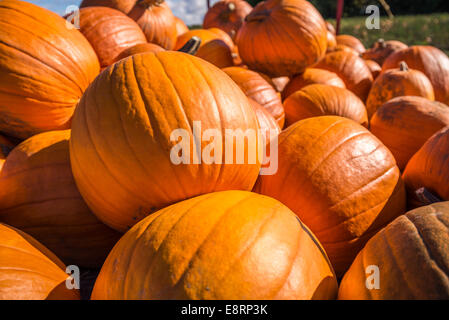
x=428, y=168
x=139, y=48
x=29, y=271
x=109, y=31
x=228, y=15
x=351, y=69
x=153, y=16
x=256, y=87
x=330, y=27
x=152, y=97
x=38, y=195
x=223, y=36
x=205, y=248
x=404, y=124
x=331, y=41
x=342, y=47
x=181, y=27
x=5, y=148
x=206, y=36
x=382, y=49
x=42, y=77
x=397, y=83
x=320, y=100
x=267, y=123
x=282, y=37
x=374, y=67
x=412, y=254
x=352, y=42
x=280, y=83
x=312, y=76
x=340, y=180
x=431, y=61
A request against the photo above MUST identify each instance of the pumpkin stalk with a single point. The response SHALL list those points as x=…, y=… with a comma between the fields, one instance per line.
x=426, y=197
x=149, y=3
x=191, y=46
x=381, y=43
x=403, y=66
x=231, y=6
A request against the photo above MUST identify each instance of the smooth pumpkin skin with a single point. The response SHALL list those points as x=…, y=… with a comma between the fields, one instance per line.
x=38, y=195
x=431, y=61
x=312, y=76
x=228, y=15
x=382, y=49
x=5, y=148
x=124, y=175
x=429, y=167
x=320, y=100
x=29, y=271
x=398, y=83
x=139, y=48
x=374, y=67
x=340, y=180
x=331, y=41
x=267, y=123
x=351, y=41
x=404, y=124
x=205, y=248
x=223, y=36
x=181, y=27
x=412, y=253
x=300, y=41
x=44, y=69
x=256, y=87
x=351, y=69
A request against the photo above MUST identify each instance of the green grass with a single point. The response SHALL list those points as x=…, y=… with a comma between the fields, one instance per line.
x=413, y=30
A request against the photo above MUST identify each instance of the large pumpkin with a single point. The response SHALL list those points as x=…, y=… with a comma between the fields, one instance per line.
x=382, y=49
x=127, y=128
x=181, y=27
x=257, y=88
x=320, y=100
x=153, y=16
x=351, y=69
x=398, y=83
x=340, y=180
x=412, y=256
x=429, y=168
x=404, y=124
x=109, y=31
x=312, y=76
x=44, y=69
x=352, y=42
x=29, y=271
x=282, y=37
x=38, y=195
x=431, y=61
x=205, y=248
x=267, y=123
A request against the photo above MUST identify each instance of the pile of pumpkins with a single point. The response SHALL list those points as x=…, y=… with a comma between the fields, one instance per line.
x=87, y=113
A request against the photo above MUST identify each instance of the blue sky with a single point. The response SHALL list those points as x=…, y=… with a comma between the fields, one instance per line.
x=191, y=11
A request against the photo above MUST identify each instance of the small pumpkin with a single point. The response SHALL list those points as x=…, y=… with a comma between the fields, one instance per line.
x=29, y=271
x=205, y=248
x=404, y=124
x=351, y=69
x=181, y=27
x=228, y=15
x=330, y=27
x=352, y=42
x=312, y=76
x=259, y=89
x=431, y=61
x=382, y=49
x=320, y=100
x=374, y=67
x=412, y=254
x=397, y=83
x=139, y=48
x=42, y=77
x=340, y=180
x=223, y=36
x=38, y=195
x=282, y=37
x=267, y=123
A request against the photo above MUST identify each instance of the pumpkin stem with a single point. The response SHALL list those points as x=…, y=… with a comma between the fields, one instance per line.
x=149, y=3
x=426, y=197
x=231, y=6
x=260, y=15
x=381, y=43
x=403, y=66
x=191, y=46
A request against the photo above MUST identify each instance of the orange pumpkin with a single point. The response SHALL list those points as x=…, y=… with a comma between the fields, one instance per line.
x=259, y=89
x=5, y=148
x=228, y=15
x=374, y=68
x=44, y=69
x=312, y=76
x=331, y=41
x=181, y=27
x=320, y=100
x=340, y=180
x=280, y=83
x=153, y=16
x=38, y=195
x=352, y=42
x=398, y=83
x=29, y=271
x=139, y=48
x=205, y=248
x=404, y=124
x=300, y=37
x=382, y=49
x=351, y=69
x=431, y=61
x=109, y=32
x=412, y=254
x=267, y=123
x=429, y=168
x=149, y=96
x=330, y=27
x=223, y=36
x=342, y=47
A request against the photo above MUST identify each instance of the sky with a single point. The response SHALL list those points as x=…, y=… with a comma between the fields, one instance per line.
x=191, y=11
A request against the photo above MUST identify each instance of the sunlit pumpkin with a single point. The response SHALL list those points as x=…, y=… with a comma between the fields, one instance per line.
x=267, y=123
x=382, y=49
x=331, y=41
x=352, y=42
x=181, y=27
x=139, y=48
